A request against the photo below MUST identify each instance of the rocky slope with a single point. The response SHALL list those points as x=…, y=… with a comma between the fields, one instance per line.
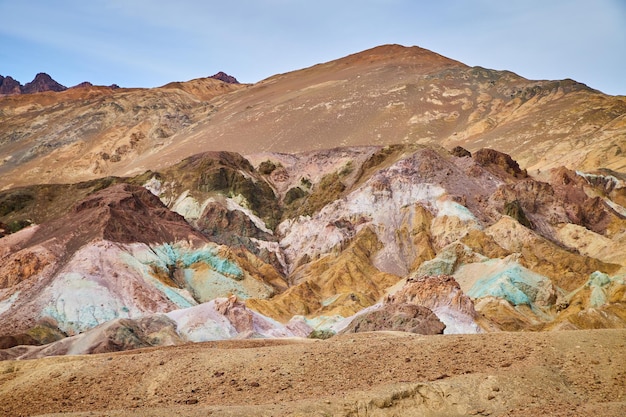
x=81, y=133
x=387, y=95
x=8, y=86
x=315, y=241
x=119, y=253
x=222, y=76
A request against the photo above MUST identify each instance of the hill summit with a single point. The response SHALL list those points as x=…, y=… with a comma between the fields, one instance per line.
x=222, y=76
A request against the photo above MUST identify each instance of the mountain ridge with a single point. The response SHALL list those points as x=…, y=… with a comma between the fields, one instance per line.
x=41, y=83
x=381, y=96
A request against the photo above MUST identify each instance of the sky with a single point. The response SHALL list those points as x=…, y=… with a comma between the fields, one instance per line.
x=148, y=43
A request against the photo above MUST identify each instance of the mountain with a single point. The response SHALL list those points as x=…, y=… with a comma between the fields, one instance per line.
x=387, y=95
x=84, y=84
x=41, y=83
x=376, y=202
x=9, y=86
x=317, y=238
x=95, y=128
x=139, y=258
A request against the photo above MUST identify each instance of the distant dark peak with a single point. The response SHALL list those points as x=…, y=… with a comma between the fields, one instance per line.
x=42, y=82
x=9, y=86
x=222, y=76
x=84, y=84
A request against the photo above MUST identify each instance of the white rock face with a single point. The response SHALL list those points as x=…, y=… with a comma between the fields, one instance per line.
x=456, y=322
x=155, y=186
x=98, y=285
x=384, y=202
x=224, y=318
x=6, y=304
x=202, y=323
x=188, y=207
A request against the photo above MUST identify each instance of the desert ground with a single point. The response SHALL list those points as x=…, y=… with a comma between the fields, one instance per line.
x=561, y=373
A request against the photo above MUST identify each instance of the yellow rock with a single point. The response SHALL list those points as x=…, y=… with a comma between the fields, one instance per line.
x=335, y=284
x=566, y=269
x=593, y=244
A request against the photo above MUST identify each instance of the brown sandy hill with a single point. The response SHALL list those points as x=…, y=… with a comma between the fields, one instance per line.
x=80, y=133
x=386, y=95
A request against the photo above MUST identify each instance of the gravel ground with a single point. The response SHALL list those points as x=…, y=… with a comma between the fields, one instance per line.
x=383, y=374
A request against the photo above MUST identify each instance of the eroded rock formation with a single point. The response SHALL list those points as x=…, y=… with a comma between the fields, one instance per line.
x=486, y=237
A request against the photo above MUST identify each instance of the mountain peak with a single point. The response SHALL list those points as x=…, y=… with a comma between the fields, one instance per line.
x=84, y=84
x=222, y=76
x=391, y=53
x=42, y=82
x=9, y=86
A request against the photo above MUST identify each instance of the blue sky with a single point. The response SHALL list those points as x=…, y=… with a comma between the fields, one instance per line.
x=147, y=43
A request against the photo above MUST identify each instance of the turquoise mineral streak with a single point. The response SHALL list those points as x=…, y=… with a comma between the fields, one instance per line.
x=183, y=258
x=515, y=284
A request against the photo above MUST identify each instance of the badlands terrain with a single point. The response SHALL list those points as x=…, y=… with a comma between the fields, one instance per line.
x=390, y=233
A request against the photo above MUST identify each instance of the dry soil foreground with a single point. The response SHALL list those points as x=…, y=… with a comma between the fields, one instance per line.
x=370, y=374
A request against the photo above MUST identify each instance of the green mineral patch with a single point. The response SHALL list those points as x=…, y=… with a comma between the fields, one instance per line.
x=159, y=270
x=174, y=256
x=228, y=174
x=514, y=210
x=515, y=284
x=599, y=284
x=294, y=194
x=200, y=271
x=326, y=191
x=206, y=285
x=267, y=167
x=45, y=333
x=15, y=200
x=321, y=334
